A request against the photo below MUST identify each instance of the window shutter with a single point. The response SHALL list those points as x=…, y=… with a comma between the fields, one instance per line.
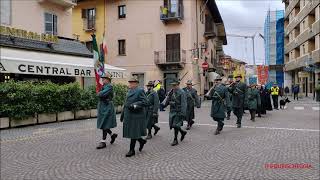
x=84, y=14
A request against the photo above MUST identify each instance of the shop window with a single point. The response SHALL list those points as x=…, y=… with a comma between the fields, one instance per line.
x=89, y=18
x=122, y=47
x=51, y=23
x=122, y=11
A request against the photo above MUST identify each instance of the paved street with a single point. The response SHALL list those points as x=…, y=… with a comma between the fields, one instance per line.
x=67, y=150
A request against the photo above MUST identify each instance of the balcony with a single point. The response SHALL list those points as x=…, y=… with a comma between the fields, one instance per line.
x=210, y=31
x=292, y=4
x=170, y=60
x=172, y=15
x=316, y=56
x=63, y=3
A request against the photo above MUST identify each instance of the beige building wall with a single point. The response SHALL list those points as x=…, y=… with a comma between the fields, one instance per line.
x=29, y=15
x=145, y=33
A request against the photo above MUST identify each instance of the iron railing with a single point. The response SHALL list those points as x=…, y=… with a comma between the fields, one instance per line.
x=170, y=57
x=168, y=13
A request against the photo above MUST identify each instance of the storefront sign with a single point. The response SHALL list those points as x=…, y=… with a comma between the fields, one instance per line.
x=50, y=69
x=27, y=34
x=303, y=74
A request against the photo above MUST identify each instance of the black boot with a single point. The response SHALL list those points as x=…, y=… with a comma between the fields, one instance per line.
x=183, y=134
x=101, y=145
x=113, y=138
x=149, y=136
x=174, y=143
x=188, y=127
x=228, y=117
x=217, y=132
x=130, y=153
x=238, y=125
x=156, y=129
x=191, y=123
x=142, y=143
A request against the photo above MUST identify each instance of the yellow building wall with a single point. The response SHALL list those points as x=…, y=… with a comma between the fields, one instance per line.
x=77, y=21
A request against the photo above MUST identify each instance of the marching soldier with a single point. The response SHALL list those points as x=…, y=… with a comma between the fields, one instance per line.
x=253, y=101
x=152, y=109
x=192, y=100
x=220, y=98
x=239, y=92
x=178, y=107
x=228, y=83
x=106, y=114
x=134, y=116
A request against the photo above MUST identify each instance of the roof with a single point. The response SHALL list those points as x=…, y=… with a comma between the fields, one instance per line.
x=63, y=46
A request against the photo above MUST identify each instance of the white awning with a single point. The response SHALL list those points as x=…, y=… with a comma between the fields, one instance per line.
x=32, y=62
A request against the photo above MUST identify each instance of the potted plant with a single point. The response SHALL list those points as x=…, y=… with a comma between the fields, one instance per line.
x=83, y=111
x=120, y=93
x=4, y=106
x=317, y=90
x=93, y=101
x=69, y=101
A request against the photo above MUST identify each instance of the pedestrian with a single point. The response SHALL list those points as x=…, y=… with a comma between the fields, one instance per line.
x=192, y=101
x=178, y=107
x=106, y=118
x=267, y=94
x=286, y=91
x=254, y=101
x=296, y=90
x=239, y=92
x=262, y=108
x=229, y=105
x=220, y=97
x=275, y=95
x=133, y=116
x=152, y=110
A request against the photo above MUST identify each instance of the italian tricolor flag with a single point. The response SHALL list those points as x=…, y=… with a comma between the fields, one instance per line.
x=98, y=64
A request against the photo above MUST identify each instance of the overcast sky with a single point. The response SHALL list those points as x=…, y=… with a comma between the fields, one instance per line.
x=246, y=17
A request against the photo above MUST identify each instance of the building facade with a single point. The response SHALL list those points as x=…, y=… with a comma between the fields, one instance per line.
x=165, y=39
x=39, y=46
x=274, y=46
x=302, y=44
x=89, y=16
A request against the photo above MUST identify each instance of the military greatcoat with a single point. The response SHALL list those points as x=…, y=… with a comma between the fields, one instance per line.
x=178, y=108
x=220, y=99
x=134, y=120
x=106, y=113
x=152, y=109
x=253, y=98
x=239, y=93
x=192, y=100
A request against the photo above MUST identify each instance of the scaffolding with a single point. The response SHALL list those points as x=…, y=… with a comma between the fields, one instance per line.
x=274, y=44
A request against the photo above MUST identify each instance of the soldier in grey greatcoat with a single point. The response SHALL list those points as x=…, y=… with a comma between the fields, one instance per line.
x=192, y=100
x=220, y=98
x=254, y=100
x=239, y=98
x=134, y=116
x=178, y=107
x=106, y=114
x=152, y=109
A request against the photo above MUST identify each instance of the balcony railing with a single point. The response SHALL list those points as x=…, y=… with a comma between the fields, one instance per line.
x=168, y=14
x=175, y=58
x=210, y=31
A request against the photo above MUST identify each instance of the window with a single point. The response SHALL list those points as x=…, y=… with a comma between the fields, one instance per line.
x=89, y=18
x=122, y=47
x=122, y=11
x=51, y=23
x=5, y=12
x=89, y=46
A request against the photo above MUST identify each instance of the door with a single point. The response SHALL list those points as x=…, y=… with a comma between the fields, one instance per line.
x=140, y=77
x=173, y=48
x=168, y=78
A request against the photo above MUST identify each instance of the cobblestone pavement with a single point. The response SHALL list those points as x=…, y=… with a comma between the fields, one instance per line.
x=67, y=150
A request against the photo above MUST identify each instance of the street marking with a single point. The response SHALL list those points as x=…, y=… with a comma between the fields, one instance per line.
x=316, y=108
x=299, y=108
x=257, y=127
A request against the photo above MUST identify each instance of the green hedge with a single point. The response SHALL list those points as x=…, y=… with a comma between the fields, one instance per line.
x=24, y=99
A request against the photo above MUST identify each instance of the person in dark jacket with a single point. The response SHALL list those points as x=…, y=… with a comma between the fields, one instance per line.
x=253, y=101
x=220, y=99
x=286, y=91
x=267, y=94
x=239, y=98
x=106, y=114
x=162, y=95
x=134, y=116
x=229, y=109
x=178, y=107
x=296, y=92
x=152, y=109
x=192, y=101
x=262, y=107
